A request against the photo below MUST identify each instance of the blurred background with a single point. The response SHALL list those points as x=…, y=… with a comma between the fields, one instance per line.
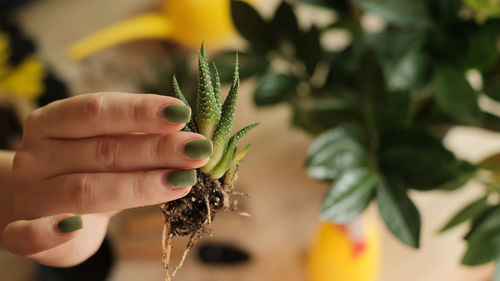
x=284, y=238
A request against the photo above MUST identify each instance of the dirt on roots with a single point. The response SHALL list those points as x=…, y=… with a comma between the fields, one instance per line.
x=192, y=214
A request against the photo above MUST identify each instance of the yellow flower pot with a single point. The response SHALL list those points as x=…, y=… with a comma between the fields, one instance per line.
x=345, y=252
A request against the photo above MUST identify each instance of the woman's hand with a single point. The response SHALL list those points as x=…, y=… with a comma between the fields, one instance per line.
x=91, y=156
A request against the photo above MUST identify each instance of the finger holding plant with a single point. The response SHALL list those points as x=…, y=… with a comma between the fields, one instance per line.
x=85, y=158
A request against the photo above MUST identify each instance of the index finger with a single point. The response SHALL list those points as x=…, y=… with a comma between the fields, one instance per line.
x=108, y=113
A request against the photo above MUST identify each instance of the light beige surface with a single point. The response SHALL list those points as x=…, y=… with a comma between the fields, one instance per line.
x=283, y=202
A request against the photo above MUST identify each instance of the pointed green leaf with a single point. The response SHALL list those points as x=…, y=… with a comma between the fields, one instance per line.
x=286, y=24
x=191, y=127
x=217, y=91
x=225, y=125
x=275, y=88
x=227, y=158
x=250, y=24
x=407, y=154
x=207, y=112
x=238, y=158
x=349, y=196
x=484, y=243
x=399, y=213
x=480, y=218
x=309, y=49
x=335, y=151
x=455, y=96
x=233, y=142
x=470, y=211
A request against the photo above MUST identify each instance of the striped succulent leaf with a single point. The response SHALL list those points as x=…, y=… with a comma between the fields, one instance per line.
x=207, y=109
x=191, y=127
x=230, y=155
x=217, y=91
x=225, y=125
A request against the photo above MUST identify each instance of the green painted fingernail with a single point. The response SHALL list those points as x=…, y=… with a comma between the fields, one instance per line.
x=70, y=224
x=199, y=149
x=177, y=113
x=181, y=178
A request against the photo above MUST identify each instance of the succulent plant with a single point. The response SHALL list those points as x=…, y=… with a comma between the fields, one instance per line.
x=191, y=215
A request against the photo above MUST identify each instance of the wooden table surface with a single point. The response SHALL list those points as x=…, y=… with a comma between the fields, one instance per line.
x=284, y=201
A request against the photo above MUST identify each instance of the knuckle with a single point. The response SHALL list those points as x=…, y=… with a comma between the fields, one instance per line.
x=159, y=149
x=32, y=120
x=142, y=189
x=22, y=162
x=93, y=105
x=83, y=193
x=140, y=112
x=107, y=151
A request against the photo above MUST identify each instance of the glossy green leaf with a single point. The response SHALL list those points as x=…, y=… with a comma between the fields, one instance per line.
x=480, y=218
x=484, y=243
x=418, y=160
x=455, y=96
x=399, y=213
x=465, y=172
x=399, y=53
x=349, y=196
x=392, y=110
x=318, y=115
x=482, y=51
x=335, y=151
x=397, y=11
x=252, y=26
x=309, y=49
x=468, y=212
x=285, y=23
x=274, y=88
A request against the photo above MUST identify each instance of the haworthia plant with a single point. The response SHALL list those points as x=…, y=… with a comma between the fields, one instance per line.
x=215, y=120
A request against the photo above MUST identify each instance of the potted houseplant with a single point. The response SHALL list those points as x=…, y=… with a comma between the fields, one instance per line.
x=379, y=107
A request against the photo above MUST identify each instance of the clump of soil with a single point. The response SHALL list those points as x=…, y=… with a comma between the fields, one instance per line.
x=192, y=214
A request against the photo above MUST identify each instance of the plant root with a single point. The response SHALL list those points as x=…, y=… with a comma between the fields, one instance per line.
x=192, y=215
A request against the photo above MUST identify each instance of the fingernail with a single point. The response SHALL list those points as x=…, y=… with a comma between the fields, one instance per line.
x=177, y=113
x=181, y=178
x=70, y=224
x=199, y=149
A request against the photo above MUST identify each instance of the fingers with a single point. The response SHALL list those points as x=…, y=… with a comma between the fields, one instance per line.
x=108, y=113
x=103, y=192
x=127, y=153
x=29, y=237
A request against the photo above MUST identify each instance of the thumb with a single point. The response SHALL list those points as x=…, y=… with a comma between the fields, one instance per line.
x=29, y=237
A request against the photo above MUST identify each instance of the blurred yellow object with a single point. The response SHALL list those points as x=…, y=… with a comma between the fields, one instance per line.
x=188, y=22
x=25, y=80
x=345, y=252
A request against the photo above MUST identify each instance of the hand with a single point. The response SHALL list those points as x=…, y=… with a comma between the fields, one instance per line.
x=92, y=156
